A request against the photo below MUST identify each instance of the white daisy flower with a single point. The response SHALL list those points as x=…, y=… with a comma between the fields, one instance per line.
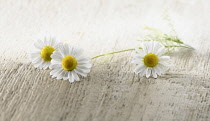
x=42, y=51
x=68, y=63
x=150, y=60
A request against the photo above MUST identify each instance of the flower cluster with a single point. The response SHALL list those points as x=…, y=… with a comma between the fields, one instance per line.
x=150, y=59
x=66, y=61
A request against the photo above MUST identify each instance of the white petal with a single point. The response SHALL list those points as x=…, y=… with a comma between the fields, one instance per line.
x=145, y=47
x=82, y=62
x=70, y=77
x=60, y=76
x=78, y=52
x=45, y=65
x=35, y=51
x=56, y=72
x=34, y=55
x=154, y=73
x=55, y=61
x=156, y=46
x=161, y=51
x=37, y=60
x=39, y=65
x=162, y=64
x=150, y=46
x=164, y=58
x=136, y=61
x=65, y=75
x=36, y=65
x=143, y=72
x=56, y=56
x=55, y=66
x=138, y=56
x=53, y=72
x=80, y=72
x=48, y=64
x=84, y=65
x=139, y=68
x=148, y=72
x=75, y=76
x=157, y=70
x=37, y=45
x=84, y=69
x=46, y=42
x=66, y=49
x=62, y=50
x=56, y=43
x=83, y=59
x=75, y=51
x=51, y=42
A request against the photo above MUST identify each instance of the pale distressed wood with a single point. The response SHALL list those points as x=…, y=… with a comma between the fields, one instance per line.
x=111, y=92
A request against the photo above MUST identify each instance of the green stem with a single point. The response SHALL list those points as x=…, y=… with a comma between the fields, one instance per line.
x=187, y=46
x=114, y=52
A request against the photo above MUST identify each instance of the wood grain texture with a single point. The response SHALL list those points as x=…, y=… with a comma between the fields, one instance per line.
x=111, y=92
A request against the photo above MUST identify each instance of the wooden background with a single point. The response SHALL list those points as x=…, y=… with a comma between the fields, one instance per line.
x=111, y=92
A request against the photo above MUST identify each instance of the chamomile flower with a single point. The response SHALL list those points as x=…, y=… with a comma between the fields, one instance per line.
x=68, y=63
x=150, y=59
x=42, y=51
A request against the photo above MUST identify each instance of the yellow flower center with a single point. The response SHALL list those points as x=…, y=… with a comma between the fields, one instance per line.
x=46, y=52
x=69, y=63
x=150, y=60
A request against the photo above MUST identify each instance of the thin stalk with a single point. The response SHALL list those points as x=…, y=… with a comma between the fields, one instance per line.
x=113, y=52
x=185, y=46
x=188, y=46
x=139, y=48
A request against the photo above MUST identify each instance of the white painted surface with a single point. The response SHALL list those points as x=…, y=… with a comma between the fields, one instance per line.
x=111, y=92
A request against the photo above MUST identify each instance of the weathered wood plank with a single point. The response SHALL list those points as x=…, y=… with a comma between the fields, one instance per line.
x=111, y=92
